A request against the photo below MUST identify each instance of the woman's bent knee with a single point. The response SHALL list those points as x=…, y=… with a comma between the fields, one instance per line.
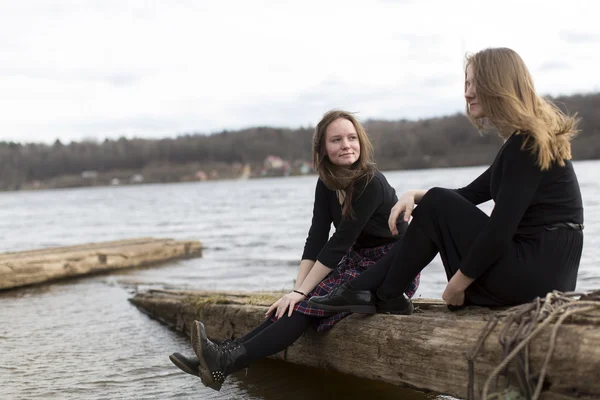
x=438, y=198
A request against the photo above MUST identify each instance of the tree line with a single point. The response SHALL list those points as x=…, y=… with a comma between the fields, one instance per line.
x=448, y=141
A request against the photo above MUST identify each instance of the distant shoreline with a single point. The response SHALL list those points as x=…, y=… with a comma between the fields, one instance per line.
x=312, y=173
x=450, y=141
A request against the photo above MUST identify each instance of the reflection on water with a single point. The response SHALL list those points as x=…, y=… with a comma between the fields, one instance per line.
x=82, y=339
x=266, y=379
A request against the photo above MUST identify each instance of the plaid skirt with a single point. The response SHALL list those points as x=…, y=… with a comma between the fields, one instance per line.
x=352, y=264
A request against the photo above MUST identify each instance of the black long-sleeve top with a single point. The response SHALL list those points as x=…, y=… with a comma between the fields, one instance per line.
x=526, y=199
x=369, y=227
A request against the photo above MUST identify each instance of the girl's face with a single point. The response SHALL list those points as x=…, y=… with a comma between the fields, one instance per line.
x=341, y=143
x=471, y=94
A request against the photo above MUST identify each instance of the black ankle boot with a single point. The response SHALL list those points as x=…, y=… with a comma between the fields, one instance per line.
x=186, y=364
x=342, y=298
x=400, y=305
x=216, y=362
x=190, y=364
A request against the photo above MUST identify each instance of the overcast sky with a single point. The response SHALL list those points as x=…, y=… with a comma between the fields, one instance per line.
x=77, y=69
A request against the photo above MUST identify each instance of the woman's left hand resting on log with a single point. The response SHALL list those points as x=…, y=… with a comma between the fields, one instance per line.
x=311, y=273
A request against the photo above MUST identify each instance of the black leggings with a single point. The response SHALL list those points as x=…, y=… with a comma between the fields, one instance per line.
x=447, y=223
x=272, y=337
x=414, y=250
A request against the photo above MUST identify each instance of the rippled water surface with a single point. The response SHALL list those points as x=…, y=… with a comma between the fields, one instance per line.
x=82, y=339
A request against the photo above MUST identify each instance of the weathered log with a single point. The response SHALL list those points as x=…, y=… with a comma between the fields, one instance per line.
x=37, y=266
x=426, y=350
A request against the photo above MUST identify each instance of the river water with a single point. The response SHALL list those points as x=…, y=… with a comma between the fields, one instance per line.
x=82, y=339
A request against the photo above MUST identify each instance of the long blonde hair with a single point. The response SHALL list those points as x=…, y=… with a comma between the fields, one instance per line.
x=507, y=96
x=334, y=176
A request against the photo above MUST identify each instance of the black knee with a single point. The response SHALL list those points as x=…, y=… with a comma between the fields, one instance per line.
x=436, y=198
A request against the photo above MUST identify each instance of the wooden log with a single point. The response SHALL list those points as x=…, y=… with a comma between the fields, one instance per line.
x=37, y=266
x=425, y=350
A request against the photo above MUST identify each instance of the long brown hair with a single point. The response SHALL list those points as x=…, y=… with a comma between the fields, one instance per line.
x=334, y=176
x=507, y=96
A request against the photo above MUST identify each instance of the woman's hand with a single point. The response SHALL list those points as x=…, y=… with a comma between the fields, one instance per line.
x=273, y=307
x=286, y=303
x=453, y=297
x=405, y=204
x=454, y=294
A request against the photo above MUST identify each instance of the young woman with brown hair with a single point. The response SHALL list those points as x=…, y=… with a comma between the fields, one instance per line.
x=357, y=198
x=531, y=243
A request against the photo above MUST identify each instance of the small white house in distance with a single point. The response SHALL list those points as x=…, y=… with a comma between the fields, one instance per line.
x=136, y=178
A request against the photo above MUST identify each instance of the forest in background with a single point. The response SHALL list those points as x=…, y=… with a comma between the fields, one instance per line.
x=449, y=141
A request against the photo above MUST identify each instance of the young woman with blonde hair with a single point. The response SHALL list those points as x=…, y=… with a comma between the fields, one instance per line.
x=357, y=198
x=531, y=243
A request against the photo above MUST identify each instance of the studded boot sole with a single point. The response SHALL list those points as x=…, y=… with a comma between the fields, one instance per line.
x=215, y=379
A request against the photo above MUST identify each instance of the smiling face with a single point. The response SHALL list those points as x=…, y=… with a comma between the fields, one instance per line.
x=475, y=108
x=341, y=143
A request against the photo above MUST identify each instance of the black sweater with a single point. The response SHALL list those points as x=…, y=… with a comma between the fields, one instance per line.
x=526, y=199
x=369, y=227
